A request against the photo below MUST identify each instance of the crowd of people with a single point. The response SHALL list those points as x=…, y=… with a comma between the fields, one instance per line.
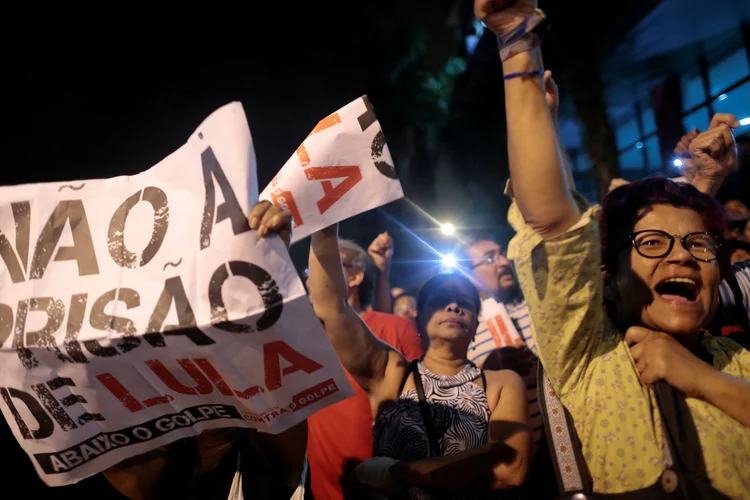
x=629, y=375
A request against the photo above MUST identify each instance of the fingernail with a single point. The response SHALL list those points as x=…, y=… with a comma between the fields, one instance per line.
x=254, y=222
x=262, y=230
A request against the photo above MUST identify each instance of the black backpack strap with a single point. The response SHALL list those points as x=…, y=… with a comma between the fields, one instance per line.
x=681, y=436
x=684, y=444
x=482, y=375
x=570, y=468
x=409, y=370
x=424, y=409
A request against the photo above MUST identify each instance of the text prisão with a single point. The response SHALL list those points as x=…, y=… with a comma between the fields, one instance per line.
x=25, y=262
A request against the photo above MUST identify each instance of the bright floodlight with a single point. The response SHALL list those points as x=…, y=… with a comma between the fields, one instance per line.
x=448, y=229
x=449, y=260
x=745, y=121
x=677, y=163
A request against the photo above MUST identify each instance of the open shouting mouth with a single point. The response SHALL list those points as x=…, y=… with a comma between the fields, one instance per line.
x=681, y=291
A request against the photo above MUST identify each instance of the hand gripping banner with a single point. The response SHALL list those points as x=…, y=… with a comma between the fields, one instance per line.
x=343, y=168
x=135, y=311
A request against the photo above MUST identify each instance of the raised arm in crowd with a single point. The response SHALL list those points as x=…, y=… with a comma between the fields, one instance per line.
x=619, y=313
x=488, y=451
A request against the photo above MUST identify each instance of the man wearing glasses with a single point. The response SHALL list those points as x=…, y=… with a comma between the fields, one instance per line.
x=503, y=341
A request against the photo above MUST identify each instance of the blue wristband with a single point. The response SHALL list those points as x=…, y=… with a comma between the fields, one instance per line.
x=528, y=74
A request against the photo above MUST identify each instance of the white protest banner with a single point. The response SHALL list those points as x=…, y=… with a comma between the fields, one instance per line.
x=342, y=169
x=500, y=324
x=135, y=311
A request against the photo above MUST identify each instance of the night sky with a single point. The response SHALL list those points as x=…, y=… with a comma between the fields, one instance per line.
x=87, y=105
x=112, y=106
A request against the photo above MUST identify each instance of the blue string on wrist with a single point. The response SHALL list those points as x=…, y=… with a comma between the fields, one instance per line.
x=528, y=74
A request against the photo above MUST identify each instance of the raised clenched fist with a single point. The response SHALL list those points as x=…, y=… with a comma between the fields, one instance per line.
x=502, y=16
x=381, y=252
x=714, y=152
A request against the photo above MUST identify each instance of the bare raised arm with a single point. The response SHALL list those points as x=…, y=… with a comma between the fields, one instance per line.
x=537, y=169
x=381, y=253
x=363, y=355
x=552, y=95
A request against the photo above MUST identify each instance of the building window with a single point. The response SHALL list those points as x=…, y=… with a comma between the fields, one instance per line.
x=631, y=161
x=728, y=84
x=697, y=119
x=727, y=72
x=638, y=144
x=653, y=153
x=583, y=176
x=627, y=134
x=648, y=121
x=736, y=102
x=693, y=93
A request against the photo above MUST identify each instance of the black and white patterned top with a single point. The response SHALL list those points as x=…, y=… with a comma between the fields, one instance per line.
x=460, y=414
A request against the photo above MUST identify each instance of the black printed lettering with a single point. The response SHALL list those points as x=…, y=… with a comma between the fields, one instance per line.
x=102, y=321
x=368, y=117
x=45, y=425
x=6, y=322
x=55, y=310
x=22, y=218
x=54, y=408
x=103, y=443
x=75, y=322
x=27, y=358
x=17, y=265
x=269, y=292
x=70, y=400
x=15, y=271
x=174, y=292
x=377, y=153
x=230, y=209
x=116, y=234
x=82, y=251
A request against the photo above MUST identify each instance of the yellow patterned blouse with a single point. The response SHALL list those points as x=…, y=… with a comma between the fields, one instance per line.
x=593, y=373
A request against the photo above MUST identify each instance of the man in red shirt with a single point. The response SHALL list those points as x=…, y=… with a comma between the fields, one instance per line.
x=340, y=436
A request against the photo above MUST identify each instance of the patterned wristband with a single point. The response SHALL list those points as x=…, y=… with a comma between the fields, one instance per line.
x=527, y=42
x=524, y=74
x=523, y=37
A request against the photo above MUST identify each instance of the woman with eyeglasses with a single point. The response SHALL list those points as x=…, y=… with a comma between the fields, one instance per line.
x=620, y=297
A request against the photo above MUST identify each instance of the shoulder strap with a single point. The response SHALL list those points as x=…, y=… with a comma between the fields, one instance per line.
x=424, y=409
x=684, y=445
x=570, y=468
x=678, y=424
x=412, y=368
x=481, y=374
